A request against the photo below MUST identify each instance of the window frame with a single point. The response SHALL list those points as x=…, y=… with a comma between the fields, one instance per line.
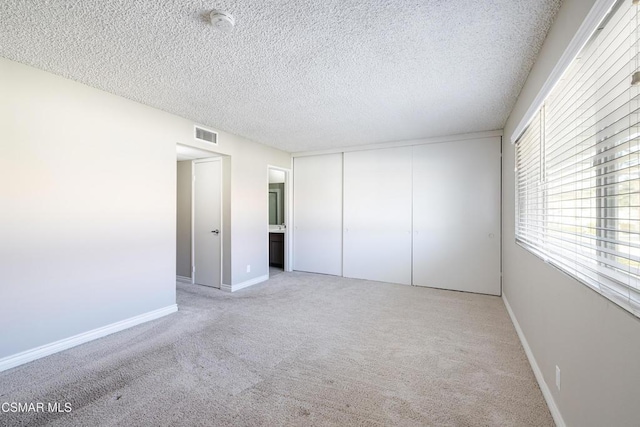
x=604, y=277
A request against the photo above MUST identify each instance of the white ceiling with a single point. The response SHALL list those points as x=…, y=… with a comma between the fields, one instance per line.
x=299, y=74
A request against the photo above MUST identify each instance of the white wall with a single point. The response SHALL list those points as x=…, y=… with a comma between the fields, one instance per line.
x=87, y=224
x=594, y=342
x=88, y=197
x=250, y=206
x=276, y=176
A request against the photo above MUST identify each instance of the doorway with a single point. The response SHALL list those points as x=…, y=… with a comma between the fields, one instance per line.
x=200, y=229
x=278, y=197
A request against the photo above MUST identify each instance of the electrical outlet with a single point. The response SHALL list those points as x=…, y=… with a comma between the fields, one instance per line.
x=558, y=377
x=248, y=268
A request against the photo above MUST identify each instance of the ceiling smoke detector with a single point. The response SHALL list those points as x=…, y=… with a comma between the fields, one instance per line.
x=222, y=21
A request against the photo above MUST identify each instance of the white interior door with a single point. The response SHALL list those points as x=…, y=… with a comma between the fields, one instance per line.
x=317, y=198
x=456, y=215
x=377, y=215
x=207, y=224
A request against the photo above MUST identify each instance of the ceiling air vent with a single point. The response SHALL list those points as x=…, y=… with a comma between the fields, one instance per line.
x=206, y=135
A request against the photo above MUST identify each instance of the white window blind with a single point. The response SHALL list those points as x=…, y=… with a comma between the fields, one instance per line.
x=578, y=166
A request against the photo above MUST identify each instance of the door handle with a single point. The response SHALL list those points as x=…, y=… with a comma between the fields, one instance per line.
x=215, y=231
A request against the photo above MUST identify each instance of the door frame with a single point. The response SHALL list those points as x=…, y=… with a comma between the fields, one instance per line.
x=287, y=214
x=193, y=213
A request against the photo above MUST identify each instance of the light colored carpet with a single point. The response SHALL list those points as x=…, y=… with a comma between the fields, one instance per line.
x=274, y=271
x=300, y=349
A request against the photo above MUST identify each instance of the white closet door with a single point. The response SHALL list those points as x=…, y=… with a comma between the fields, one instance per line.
x=456, y=216
x=377, y=215
x=317, y=200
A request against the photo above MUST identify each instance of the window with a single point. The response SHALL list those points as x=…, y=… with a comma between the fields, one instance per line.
x=578, y=166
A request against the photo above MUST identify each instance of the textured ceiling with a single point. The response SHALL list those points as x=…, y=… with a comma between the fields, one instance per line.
x=295, y=74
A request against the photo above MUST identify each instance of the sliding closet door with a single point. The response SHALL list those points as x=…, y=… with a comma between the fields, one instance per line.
x=456, y=216
x=377, y=215
x=317, y=201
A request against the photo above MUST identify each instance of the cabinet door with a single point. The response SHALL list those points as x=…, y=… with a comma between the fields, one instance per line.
x=456, y=216
x=317, y=218
x=276, y=249
x=377, y=215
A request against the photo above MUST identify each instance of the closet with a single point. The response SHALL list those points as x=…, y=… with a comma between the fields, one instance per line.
x=456, y=216
x=317, y=214
x=422, y=215
x=377, y=215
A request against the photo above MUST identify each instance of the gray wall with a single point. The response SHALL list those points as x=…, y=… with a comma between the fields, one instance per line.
x=88, y=217
x=183, y=210
x=594, y=342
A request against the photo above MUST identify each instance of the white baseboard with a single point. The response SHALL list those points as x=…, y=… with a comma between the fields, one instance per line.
x=546, y=392
x=184, y=279
x=245, y=284
x=66, y=343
